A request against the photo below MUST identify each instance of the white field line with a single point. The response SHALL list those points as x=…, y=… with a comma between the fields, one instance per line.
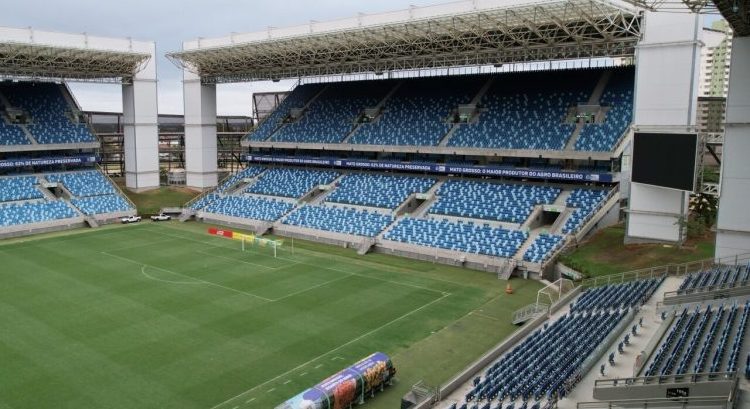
x=189, y=277
x=147, y=275
x=312, y=288
x=333, y=350
x=317, y=266
x=345, y=259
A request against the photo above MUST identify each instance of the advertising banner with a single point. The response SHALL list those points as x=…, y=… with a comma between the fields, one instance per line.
x=346, y=387
x=496, y=171
x=63, y=160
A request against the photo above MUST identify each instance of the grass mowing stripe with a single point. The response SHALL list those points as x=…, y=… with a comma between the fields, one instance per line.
x=187, y=276
x=332, y=351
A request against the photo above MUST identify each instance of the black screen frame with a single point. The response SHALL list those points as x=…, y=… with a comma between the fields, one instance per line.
x=660, y=151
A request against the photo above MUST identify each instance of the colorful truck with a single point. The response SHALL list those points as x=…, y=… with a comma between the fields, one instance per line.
x=347, y=387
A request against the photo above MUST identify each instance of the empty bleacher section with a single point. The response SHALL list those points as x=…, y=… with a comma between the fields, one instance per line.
x=617, y=296
x=545, y=365
x=702, y=341
x=86, y=183
x=491, y=201
x=296, y=99
x=528, y=111
x=618, y=100
x=101, y=204
x=331, y=117
x=586, y=202
x=339, y=219
x=49, y=112
x=384, y=191
x=234, y=179
x=92, y=192
x=11, y=134
x=291, y=182
x=543, y=245
x=19, y=188
x=418, y=114
x=255, y=208
x=465, y=237
x=719, y=277
x=204, y=201
x=34, y=212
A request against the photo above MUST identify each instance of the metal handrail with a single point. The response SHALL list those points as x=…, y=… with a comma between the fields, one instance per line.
x=122, y=193
x=702, y=377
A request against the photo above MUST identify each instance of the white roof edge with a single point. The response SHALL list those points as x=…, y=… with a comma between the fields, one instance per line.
x=82, y=41
x=362, y=20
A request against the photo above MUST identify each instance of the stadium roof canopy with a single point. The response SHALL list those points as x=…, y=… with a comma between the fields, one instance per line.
x=32, y=54
x=736, y=12
x=462, y=33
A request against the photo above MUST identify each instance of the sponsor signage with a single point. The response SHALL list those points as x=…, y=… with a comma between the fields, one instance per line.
x=63, y=160
x=496, y=171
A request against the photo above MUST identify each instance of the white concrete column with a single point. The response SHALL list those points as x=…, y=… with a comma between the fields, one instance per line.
x=200, y=132
x=141, y=127
x=733, y=235
x=666, y=91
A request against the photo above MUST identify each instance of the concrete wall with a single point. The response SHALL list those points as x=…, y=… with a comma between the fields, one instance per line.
x=666, y=91
x=733, y=234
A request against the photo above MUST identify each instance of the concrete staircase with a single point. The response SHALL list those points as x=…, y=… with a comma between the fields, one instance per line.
x=91, y=221
x=574, y=137
x=304, y=108
x=599, y=88
x=378, y=106
x=477, y=98
x=186, y=214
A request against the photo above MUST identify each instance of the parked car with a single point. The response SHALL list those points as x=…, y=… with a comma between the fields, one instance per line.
x=161, y=217
x=131, y=219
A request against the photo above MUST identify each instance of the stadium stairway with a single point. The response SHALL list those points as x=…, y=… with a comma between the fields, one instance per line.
x=432, y=197
x=574, y=137
x=596, y=94
x=4, y=101
x=476, y=100
x=377, y=108
x=304, y=108
x=311, y=198
x=242, y=185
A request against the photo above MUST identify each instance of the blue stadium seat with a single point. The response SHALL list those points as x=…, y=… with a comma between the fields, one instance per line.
x=618, y=98
x=19, y=188
x=424, y=107
x=296, y=99
x=34, y=212
x=12, y=134
x=527, y=111
x=48, y=108
x=585, y=202
x=340, y=219
x=86, y=183
x=492, y=201
x=245, y=207
x=542, y=247
x=333, y=114
x=291, y=182
x=464, y=237
x=248, y=172
x=109, y=203
x=378, y=190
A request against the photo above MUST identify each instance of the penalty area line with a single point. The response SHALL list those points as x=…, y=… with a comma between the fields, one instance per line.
x=189, y=277
x=365, y=335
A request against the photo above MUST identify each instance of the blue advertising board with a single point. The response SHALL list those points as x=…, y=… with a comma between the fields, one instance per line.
x=496, y=171
x=60, y=160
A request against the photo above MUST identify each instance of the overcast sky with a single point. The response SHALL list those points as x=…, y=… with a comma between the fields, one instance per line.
x=168, y=23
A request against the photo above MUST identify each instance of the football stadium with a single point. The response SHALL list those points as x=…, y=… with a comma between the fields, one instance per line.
x=477, y=204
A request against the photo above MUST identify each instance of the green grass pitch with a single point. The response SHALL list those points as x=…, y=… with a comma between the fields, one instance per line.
x=166, y=316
